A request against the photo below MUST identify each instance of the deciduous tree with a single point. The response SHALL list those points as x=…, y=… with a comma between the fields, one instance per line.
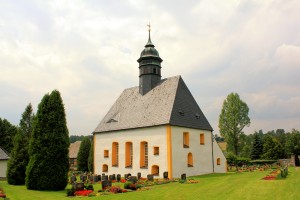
x=233, y=118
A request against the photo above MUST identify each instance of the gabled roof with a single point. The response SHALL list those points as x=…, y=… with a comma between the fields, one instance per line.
x=170, y=102
x=3, y=154
x=74, y=149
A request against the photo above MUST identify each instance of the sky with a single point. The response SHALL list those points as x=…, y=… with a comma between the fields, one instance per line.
x=88, y=50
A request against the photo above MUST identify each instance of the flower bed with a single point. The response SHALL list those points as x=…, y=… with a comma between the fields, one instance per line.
x=272, y=176
x=2, y=194
x=83, y=192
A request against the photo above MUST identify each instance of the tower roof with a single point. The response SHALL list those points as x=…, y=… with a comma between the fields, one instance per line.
x=170, y=102
x=149, y=50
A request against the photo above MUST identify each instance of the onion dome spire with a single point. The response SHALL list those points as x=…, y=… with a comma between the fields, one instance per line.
x=149, y=66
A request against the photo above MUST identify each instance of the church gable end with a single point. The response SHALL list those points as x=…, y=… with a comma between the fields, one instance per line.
x=186, y=111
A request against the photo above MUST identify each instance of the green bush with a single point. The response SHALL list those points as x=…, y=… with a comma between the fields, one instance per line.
x=127, y=185
x=70, y=192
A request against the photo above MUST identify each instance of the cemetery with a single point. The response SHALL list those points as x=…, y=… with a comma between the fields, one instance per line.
x=232, y=185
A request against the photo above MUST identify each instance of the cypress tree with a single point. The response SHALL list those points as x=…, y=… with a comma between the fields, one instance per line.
x=49, y=146
x=257, y=147
x=83, y=155
x=91, y=158
x=19, y=157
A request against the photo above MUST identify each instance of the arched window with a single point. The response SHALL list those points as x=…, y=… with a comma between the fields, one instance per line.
x=115, y=154
x=190, y=160
x=128, y=154
x=144, y=154
x=186, y=140
x=104, y=168
x=155, y=170
x=202, y=141
x=218, y=161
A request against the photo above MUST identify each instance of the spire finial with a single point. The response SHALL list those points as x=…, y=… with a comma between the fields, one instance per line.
x=149, y=27
x=149, y=43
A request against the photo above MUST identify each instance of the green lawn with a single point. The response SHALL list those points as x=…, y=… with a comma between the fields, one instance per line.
x=247, y=185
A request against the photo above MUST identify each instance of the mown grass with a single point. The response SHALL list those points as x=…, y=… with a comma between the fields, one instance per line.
x=246, y=185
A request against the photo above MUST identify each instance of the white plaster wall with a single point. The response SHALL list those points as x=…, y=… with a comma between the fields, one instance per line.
x=222, y=168
x=202, y=154
x=155, y=136
x=3, y=166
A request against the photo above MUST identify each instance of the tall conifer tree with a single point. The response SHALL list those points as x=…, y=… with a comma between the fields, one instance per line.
x=49, y=146
x=19, y=158
x=257, y=147
x=83, y=155
x=91, y=158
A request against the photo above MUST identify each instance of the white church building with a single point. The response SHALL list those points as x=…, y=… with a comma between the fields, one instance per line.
x=156, y=127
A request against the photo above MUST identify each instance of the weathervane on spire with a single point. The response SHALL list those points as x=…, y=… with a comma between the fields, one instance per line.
x=149, y=27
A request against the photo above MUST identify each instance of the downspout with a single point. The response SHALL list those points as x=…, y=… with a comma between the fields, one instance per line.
x=212, y=151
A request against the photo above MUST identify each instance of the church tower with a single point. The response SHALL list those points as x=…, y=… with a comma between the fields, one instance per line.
x=149, y=67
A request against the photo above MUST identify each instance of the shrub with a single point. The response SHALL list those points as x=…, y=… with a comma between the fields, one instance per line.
x=70, y=192
x=89, y=187
x=127, y=185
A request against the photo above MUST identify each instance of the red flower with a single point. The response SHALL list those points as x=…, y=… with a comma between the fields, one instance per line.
x=83, y=192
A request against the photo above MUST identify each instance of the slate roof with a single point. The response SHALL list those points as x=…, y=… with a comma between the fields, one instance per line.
x=170, y=102
x=74, y=149
x=3, y=154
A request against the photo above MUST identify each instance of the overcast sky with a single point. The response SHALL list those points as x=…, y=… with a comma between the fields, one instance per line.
x=87, y=49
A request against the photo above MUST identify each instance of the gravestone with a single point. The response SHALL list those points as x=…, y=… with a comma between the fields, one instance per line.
x=110, y=177
x=84, y=178
x=95, y=178
x=113, y=177
x=105, y=178
x=103, y=174
x=183, y=176
x=106, y=184
x=78, y=186
x=91, y=178
x=125, y=176
x=132, y=179
x=139, y=175
x=118, y=177
x=128, y=174
x=73, y=179
x=150, y=177
x=165, y=175
x=99, y=177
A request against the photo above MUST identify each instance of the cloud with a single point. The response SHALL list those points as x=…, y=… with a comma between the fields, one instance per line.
x=88, y=51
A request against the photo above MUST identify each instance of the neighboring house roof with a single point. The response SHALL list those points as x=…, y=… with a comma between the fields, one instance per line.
x=3, y=154
x=222, y=145
x=170, y=102
x=73, y=149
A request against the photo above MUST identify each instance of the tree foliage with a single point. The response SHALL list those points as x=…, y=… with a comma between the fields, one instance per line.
x=83, y=155
x=293, y=142
x=257, y=147
x=7, y=133
x=49, y=146
x=91, y=158
x=272, y=149
x=19, y=157
x=74, y=138
x=233, y=118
